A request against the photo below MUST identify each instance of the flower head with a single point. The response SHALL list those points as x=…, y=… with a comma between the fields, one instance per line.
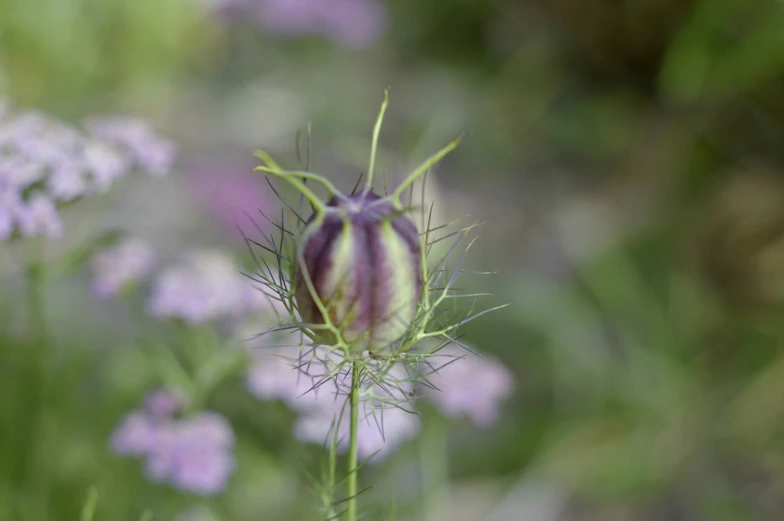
x=194, y=454
x=467, y=385
x=205, y=285
x=381, y=430
x=38, y=217
x=364, y=261
x=118, y=266
x=141, y=145
x=44, y=162
x=305, y=385
x=357, y=280
x=275, y=375
x=136, y=435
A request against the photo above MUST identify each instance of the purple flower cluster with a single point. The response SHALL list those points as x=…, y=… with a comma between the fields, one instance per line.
x=193, y=454
x=304, y=385
x=467, y=385
x=381, y=431
x=44, y=162
x=138, y=142
x=347, y=23
x=206, y=285
x=118, y=266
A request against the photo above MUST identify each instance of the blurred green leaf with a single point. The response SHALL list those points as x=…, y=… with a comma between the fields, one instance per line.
x=726, y=47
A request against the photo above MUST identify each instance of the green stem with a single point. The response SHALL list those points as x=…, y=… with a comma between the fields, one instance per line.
x=352, y=448
x=434, y=458
x=36, y=300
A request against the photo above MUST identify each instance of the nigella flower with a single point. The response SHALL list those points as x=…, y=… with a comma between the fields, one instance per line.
x=119, y=266
x=467, y=385
x=205, y=285
x=143, y=146
x=364, y=260
x=194, y=454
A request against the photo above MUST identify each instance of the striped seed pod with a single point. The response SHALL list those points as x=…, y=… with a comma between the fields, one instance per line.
x=360, y=261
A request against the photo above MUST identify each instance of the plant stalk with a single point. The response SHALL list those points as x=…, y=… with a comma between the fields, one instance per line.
x=352, y=448
x=36, y=302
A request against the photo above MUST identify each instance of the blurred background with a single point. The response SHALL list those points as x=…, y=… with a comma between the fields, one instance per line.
x=625, y=158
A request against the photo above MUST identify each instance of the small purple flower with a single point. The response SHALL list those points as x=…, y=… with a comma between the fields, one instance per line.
x=67, y=181
x=275, y=375
x=348, y=23
x=136, y=435
x=134, y=137
x=105, y=164
x=304, y=385
x=19, y=173
x=381, y=430
x=38, y=217
x=468, y=385
x=193, y=454
x=205, y=286
x=47, y=162
x=119, y=266
x=162, y=403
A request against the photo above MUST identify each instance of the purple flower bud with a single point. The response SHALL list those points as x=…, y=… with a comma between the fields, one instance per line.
x=364, y=260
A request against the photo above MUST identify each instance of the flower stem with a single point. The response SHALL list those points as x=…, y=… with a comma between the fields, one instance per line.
x=36, y=301
x=352, y=448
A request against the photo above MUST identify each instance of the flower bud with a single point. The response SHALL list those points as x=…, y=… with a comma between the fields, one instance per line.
x=364, y=262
